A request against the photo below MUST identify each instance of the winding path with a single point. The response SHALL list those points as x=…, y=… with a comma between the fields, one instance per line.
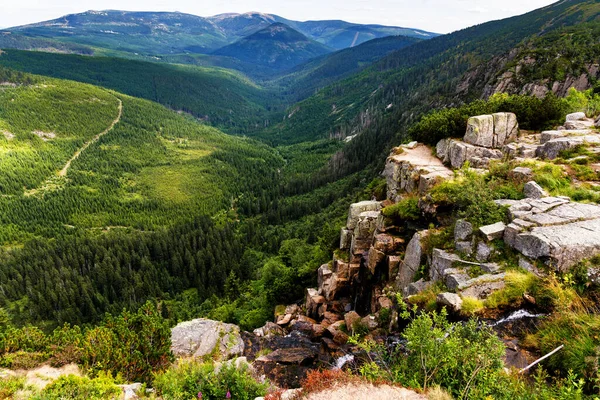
x=63, y=172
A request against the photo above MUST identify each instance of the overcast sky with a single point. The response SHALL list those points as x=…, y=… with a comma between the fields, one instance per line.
x=441, y=16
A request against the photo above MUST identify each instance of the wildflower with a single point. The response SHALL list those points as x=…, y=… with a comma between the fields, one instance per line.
x=228, y=396
x=199, y=395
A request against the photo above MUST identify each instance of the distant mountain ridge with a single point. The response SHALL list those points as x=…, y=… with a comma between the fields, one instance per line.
x=277, y=46
x=159, y=33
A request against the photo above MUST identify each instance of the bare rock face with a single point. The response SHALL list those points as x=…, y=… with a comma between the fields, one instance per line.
x=413, y=259
x=554, y=230
x=203, y=337
x=414, y=170
x=552, y=148
x=492, y=131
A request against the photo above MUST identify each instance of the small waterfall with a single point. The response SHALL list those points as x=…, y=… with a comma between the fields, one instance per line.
x=519, y=314
x=340, y=362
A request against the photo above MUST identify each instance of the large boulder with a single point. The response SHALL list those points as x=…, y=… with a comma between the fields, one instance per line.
x=459, y=153
x=204, y=337
x=492, y=131
x=578, y=116
x=480, y=131
x=462, y=230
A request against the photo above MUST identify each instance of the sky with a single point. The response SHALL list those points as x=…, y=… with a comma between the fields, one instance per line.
x=442, y=16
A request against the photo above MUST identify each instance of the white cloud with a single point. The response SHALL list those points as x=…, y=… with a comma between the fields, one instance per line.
x=435, y=15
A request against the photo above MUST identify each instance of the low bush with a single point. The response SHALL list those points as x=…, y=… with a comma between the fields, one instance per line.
x=405, y=210
x=10, y=385
x=81, y=388
x=188, y=378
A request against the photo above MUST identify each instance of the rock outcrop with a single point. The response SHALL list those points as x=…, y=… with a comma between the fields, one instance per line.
x=554, y=230
x=413, y=170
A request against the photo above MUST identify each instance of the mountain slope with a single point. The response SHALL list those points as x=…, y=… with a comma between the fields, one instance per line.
x=442, y=71
x=210, y=94
x=315, y=74
x=278, y=47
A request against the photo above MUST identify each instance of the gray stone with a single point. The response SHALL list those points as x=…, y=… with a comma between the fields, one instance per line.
x=357, y=209
x=416, y=287
x=478, y=157
x=483, y=252
x=413, y=259
x=413, y=170
x=323, y=275
x=483, y=290
x=268, y=330
x=494, y=231
x=562, y=246
x=578, y=125
x=345, y=239
x=480, y=131
x=506, y=129
x=456, y=279
x=410, y=145
x=490, y=268
x=440, y=262
x=462, y=230
x=202, y=337
x=465, y=247
x=450, y=300
x=547, y=136
x=534, y=191
x=370, y=322
x=522, y=173
x=441, y=150
x=552, y=148
x=364, y=231
x=578, y=116
x=597, y=122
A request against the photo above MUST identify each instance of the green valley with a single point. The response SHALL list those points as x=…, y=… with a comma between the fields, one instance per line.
x=336, y=205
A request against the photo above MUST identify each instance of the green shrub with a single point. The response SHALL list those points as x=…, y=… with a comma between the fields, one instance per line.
x=81, y=388
x=471, y=196
x=532, y=113
x=405, y=210
x=10, y=385
x=454, y=356
x=188, y=378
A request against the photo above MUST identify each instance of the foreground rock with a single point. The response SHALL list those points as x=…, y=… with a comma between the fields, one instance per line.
x=204, y=337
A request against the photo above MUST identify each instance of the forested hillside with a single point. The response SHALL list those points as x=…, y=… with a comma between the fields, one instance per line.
x=219, y=97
